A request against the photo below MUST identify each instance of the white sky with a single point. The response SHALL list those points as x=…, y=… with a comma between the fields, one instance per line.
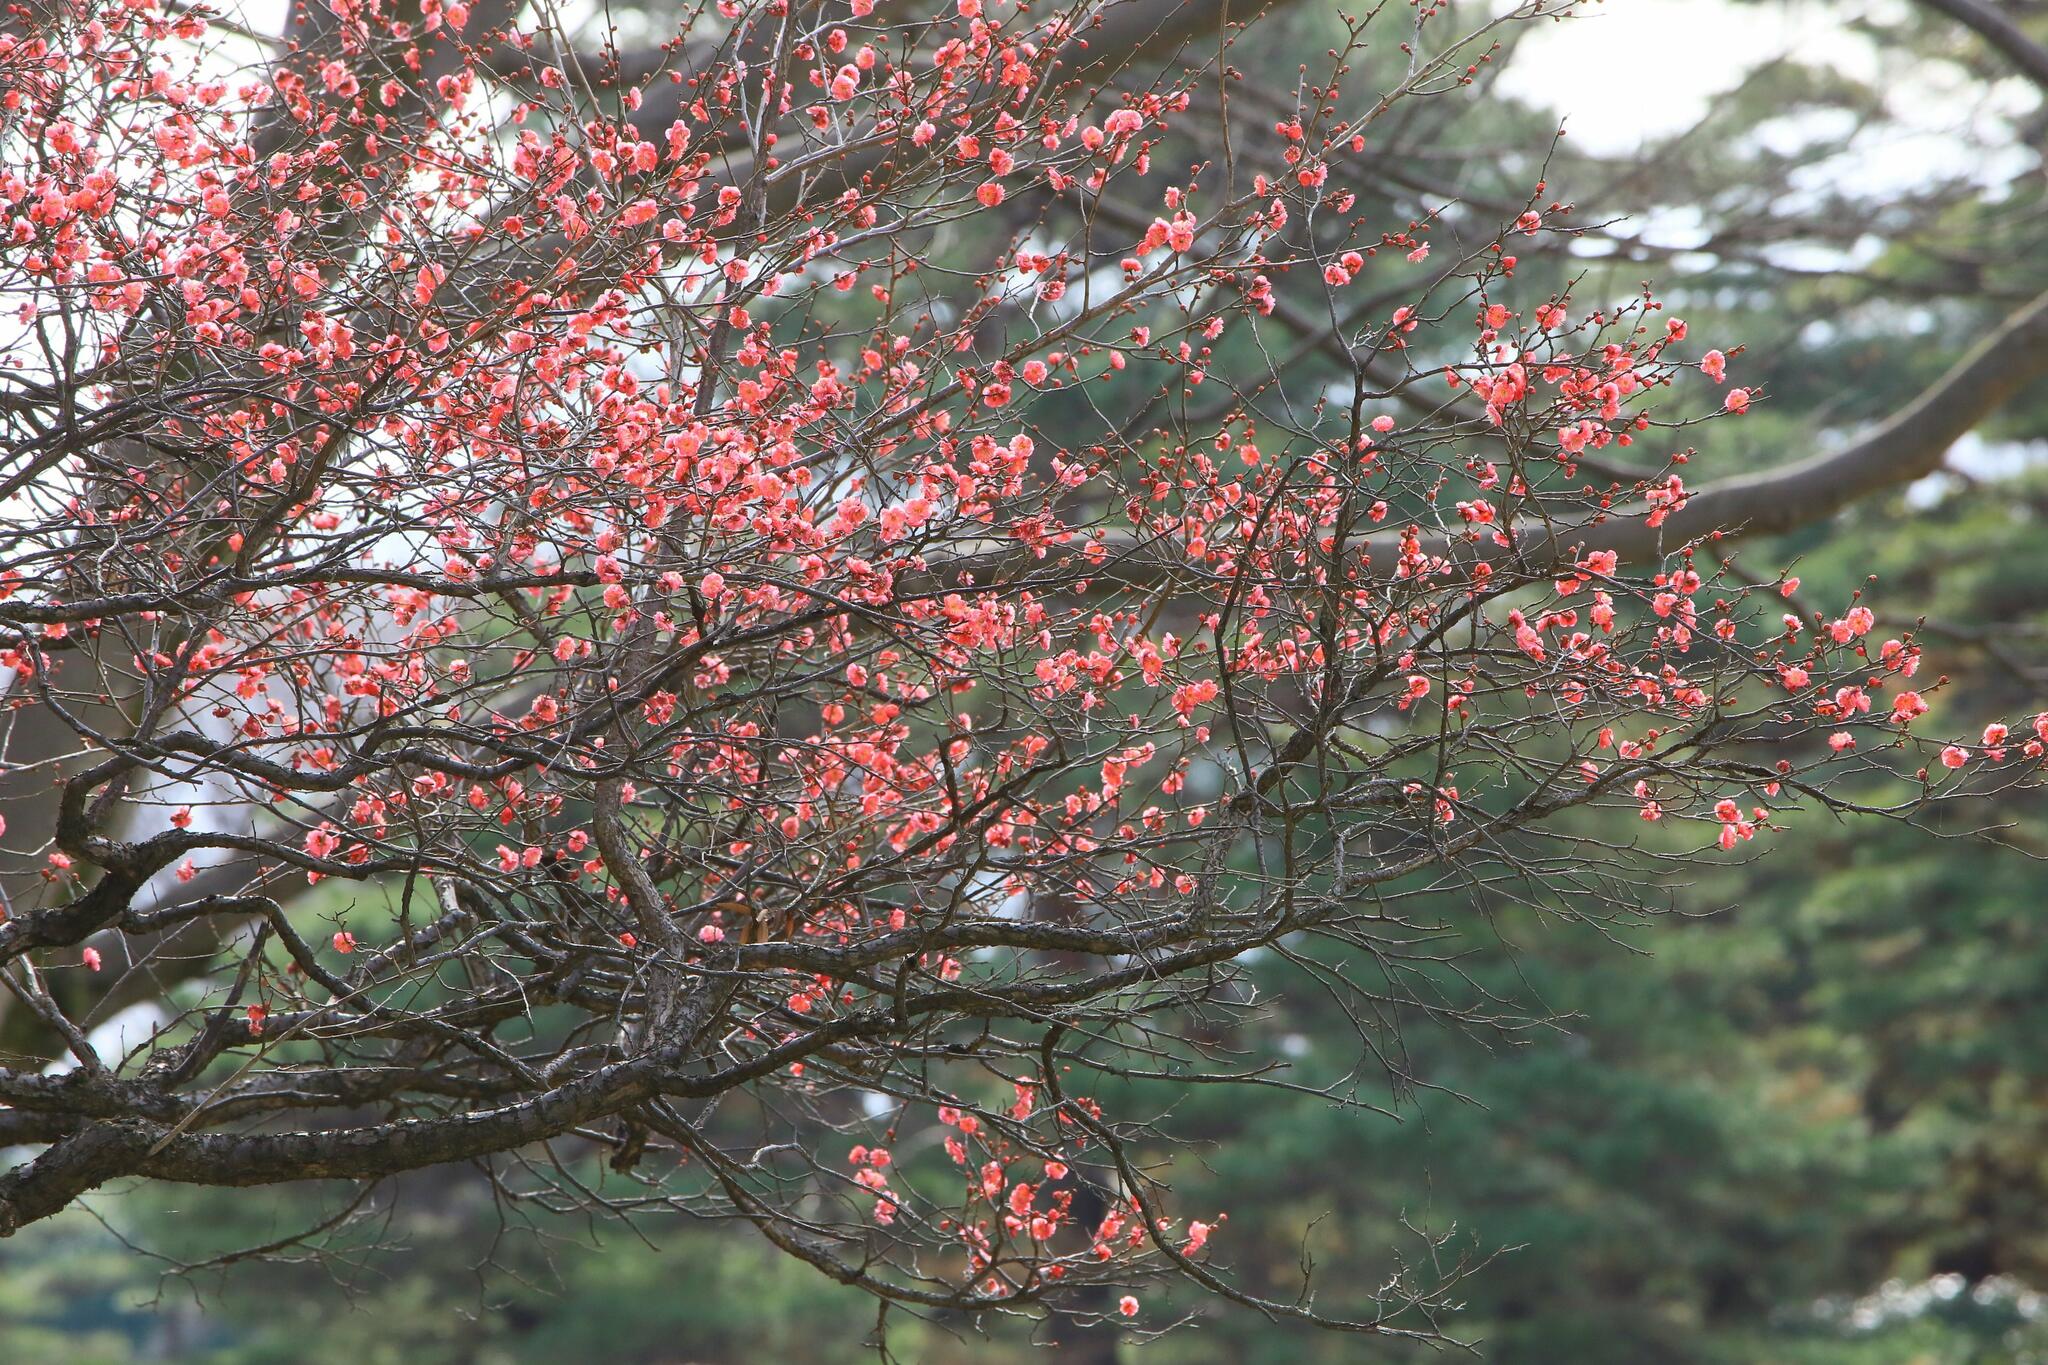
x=1625, y=71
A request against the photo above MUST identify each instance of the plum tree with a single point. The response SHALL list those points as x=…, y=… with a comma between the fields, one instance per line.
x=813, y=702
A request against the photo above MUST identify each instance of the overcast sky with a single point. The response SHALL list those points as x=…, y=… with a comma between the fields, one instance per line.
x=1668, y=59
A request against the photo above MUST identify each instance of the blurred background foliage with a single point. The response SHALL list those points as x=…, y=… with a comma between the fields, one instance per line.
x=1797, y=1113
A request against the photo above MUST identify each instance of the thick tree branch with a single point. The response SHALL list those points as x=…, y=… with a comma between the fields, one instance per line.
x=1999, y=30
